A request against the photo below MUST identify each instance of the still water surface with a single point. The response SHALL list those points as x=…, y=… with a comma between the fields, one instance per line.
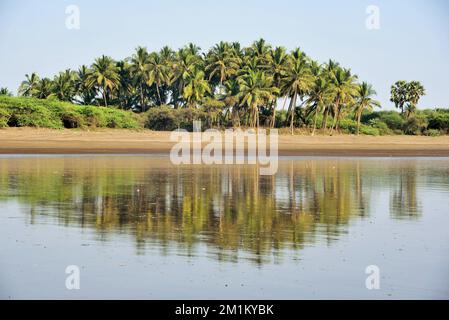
x=139, y=227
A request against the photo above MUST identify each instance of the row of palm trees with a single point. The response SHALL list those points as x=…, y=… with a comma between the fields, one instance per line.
x=247, y=81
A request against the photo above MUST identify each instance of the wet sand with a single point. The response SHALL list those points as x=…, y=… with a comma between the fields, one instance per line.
x=116, y=141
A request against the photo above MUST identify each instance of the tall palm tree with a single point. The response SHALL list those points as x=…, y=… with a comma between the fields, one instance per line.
x=344, y=88
x=195, y=89
x=158, y=74
x=298, y=80
x=256, y=90
x=28, y=86
x=104, y=76
x=277, y=65
x=139, y=71
x=364, y=101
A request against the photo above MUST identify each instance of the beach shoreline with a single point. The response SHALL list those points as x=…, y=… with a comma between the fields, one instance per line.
x=122, y=141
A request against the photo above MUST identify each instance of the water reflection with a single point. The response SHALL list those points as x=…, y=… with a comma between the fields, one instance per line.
x=230, y=209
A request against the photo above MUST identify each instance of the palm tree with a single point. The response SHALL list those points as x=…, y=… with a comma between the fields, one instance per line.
x=158, y=73
x=278, y=60
x=256, y=89
x=85, y=92
x=63, y=86
x=104, y=76
x=343, y=88
x=44, y=88
x=221, y=63
x=364, y=101
x=298, y=80
x=184, y=66
x=231, y=98
x=318, y=98
x=27, y=87
x=5, y=92
x=399, y=94
x=415, y=90
x=195, y=89
x=139, y=71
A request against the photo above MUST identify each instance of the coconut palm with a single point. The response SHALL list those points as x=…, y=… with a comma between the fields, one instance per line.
x=231, y=98
x=343, y=88
x=221, y=63
x=104, y=77
x=28, y=86
x=85, y=93
x=256, y=90
x=195, y=88
x=5, y=92
x=139, y=71
x=44, y=89
x=158, y=74
x=364, y=101
x=298, y=81
x=318, y=98
x=63, y=86
x=277, y=65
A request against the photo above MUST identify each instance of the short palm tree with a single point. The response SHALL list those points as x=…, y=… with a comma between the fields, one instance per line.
x=28, y=86
x=5, y=92
x=364, y=101
x=44, y=88
x=85, y=92
x=63, y=86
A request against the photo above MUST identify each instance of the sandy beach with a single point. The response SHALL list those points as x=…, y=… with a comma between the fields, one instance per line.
x=115, y=141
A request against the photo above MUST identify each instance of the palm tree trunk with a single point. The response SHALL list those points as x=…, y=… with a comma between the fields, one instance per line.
x=326, y=114
x=292, y=107
x=158, y=94
x=314, y=121
x=359, y=115
x=104, y=98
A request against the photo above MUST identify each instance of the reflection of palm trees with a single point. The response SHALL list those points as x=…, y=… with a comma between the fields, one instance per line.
x=404, y=201
x=231, y=209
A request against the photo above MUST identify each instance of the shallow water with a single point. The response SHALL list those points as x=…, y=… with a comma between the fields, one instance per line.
x=139, y=227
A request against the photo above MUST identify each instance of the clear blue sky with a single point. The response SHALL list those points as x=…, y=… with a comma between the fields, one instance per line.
x=412, y=43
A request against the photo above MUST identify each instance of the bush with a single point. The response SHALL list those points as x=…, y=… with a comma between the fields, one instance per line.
x=381, y=126
x=162, y=118
x=4, y=117
x=433, y=133
x=415, y=126
x=392, y=119
x=50, y=113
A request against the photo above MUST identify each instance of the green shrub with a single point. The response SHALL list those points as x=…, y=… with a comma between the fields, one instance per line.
x=433, y=133
x=415, y=126
x=50, y=113
x=162, y=118
x=381, y=126
x=4, y=117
